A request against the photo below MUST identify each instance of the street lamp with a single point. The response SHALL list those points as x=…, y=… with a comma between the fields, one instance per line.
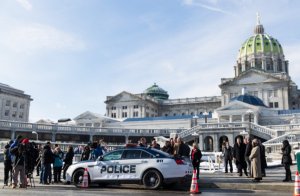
x=195, y=119
x=205, y=114
x=249, y=112
x=37, y=135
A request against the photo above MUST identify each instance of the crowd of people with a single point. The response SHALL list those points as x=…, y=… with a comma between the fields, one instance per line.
x=21, y=157
x=249, y=157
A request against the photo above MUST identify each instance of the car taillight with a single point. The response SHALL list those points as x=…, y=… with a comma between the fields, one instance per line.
x=179, y=161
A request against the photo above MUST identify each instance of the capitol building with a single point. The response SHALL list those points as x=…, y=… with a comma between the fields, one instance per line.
x=261, y=100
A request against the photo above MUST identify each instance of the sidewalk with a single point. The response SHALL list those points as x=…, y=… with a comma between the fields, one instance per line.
x=220, y=180
x=273, y=180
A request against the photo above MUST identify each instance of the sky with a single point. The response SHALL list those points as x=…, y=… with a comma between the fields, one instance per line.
x=70, y=54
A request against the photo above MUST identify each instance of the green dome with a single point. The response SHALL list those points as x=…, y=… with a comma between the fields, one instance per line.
x=260, y=43
x=261, y=52
x=156, y=92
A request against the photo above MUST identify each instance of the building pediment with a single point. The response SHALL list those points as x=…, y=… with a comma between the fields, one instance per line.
x=123, y=97
x=88, y=115
x=253, y=77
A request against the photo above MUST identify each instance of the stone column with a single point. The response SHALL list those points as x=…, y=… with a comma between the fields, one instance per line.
x=243, y=117
x=201, y=142
x=230, y=118
x=216, y=143
x=53, y=137
x=13, y=135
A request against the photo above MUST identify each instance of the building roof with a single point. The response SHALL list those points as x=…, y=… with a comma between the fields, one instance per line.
x=250, y=99
x=157, y=92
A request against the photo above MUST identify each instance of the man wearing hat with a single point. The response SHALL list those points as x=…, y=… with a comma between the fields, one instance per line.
x=19, y=163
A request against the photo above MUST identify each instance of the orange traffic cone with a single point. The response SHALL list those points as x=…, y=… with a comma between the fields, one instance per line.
x=85, y=180
x=194, y=185
x=297, y=185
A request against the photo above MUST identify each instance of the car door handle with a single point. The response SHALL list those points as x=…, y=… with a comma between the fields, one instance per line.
x=144, y=161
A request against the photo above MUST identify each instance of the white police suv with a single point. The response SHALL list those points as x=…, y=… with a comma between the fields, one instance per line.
x=147, y=166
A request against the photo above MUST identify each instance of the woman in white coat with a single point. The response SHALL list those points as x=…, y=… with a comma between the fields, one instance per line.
x=255, y=162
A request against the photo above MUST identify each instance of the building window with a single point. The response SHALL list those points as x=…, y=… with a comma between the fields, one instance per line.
x=7, y=103
x=14, y=114
x=275, y=93
x=271, y=105
x=113, y=115
x=113, y=108
x=124, y=107
x=270, y=93
x=96, y=124
x=135, y=114
x=22, y=106
x=124, y=114
x=6, y=113
x=15, y=104
x=88, y=124
x=135, y=106
x=21, y=115
x=276, y=104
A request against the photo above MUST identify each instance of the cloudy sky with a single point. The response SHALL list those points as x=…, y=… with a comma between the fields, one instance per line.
x=70, y=54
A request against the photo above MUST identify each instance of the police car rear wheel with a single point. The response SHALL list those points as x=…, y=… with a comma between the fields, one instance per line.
x=78, y=177
x=152, y=179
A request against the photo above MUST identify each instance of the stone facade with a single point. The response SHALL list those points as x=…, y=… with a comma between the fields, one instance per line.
x=127, y=105
x=14, y=104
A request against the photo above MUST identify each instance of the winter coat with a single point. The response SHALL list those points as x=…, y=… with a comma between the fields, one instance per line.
x=47, y=155
x=227, y=153
x=286, y=153
x=239, y=152
x=69, y=158
x=196, y=156
x=85, y=155
x=255, y=162
x=58, y=157
x=263, y=156
x=182, y=150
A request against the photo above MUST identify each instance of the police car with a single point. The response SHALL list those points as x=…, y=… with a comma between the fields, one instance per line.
x=147, y=166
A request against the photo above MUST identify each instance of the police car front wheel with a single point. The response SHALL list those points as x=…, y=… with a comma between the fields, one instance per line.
x=78, y=178
x=152, y=179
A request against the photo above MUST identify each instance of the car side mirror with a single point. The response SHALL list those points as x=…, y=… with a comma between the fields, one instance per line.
x=100, y=158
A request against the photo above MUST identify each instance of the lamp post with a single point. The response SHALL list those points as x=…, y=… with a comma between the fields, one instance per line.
x=195, y=120
x=37, y=135
x=205, y=114
x=249, y=112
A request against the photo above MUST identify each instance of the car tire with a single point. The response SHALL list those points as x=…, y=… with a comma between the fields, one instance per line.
x=152, y=179
x=78, y=177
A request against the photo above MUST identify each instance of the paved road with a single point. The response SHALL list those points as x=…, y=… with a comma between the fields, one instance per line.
x=128, y=192
x=210, y=184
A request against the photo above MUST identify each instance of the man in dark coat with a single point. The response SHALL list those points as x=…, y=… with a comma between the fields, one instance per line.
x=239, y=150
x=248, y=143
x=68, y=160
x=286, y=160
x=227, y=154
x=263, y=158
x=7, y=164
x=46, y=160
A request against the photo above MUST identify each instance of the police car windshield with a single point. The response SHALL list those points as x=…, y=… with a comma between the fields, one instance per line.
x=160, y=153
